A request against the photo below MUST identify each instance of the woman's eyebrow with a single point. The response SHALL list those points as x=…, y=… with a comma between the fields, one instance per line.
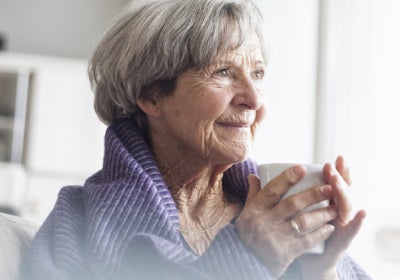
x=260, y=63
x=233, y=62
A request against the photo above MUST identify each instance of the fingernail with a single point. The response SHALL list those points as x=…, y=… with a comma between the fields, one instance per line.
x=345, y=165
x=298, y=170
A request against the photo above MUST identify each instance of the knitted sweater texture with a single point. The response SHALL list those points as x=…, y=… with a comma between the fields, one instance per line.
x=123, y=224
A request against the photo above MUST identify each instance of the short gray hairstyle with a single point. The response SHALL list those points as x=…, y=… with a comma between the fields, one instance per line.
x=154, y=41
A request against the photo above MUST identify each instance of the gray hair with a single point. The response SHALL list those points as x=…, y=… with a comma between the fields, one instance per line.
x=151, y=43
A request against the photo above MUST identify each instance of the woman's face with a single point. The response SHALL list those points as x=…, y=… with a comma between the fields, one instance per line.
x=213, y=113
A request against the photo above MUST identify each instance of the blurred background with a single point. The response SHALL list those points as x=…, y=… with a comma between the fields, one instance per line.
x=332, y=88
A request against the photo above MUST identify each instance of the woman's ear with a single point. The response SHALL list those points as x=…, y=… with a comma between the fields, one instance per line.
x=150, y=107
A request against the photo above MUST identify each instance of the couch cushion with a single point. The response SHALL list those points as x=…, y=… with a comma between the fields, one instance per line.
x=16, y=235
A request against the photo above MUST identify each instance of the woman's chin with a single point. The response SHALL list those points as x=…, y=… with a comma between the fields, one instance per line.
x=232, y=156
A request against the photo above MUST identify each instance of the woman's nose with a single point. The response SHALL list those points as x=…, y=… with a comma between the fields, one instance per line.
x=248, y=93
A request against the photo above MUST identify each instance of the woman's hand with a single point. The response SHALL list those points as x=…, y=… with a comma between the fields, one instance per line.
x=324, y=266
x=264, y=223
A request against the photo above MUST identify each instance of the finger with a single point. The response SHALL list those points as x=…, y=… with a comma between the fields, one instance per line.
x=342, y=241
x=271, y=194
x=254, y=186
x=341, y=198
x=307, y=241
x=310, y=221
x=343, y=169
x=303, y=201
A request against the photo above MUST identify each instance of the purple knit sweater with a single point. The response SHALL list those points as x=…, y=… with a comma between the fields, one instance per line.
x=123, y=224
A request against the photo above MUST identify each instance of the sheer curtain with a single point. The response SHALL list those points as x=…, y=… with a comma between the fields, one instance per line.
x=358, y=114
x=287, y=134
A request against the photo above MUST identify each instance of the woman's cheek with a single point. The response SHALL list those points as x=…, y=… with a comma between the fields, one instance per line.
x=260, y=116
x=261, y=113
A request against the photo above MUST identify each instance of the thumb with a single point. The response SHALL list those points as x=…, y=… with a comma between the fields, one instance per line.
x=254, y=186
x=355, y=225
x=351, y=229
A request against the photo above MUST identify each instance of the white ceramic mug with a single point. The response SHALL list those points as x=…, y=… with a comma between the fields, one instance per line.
x=314, y=177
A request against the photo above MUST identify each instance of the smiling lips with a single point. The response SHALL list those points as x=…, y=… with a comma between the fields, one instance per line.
x=235, y=124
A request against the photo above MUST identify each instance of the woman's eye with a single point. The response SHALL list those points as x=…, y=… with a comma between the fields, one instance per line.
x=224, y=72
x=258, y=75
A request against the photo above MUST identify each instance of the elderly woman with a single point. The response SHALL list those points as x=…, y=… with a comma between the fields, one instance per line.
x=180, y=83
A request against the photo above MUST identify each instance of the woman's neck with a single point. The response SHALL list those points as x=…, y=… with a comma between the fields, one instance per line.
x=196, y=187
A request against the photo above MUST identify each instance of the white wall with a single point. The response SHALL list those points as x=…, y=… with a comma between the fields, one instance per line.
x=65, y=27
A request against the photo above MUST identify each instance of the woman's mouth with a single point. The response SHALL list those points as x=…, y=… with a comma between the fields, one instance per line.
x=235, y=126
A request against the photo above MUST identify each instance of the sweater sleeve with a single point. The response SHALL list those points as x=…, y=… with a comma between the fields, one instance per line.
x=348, y=269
